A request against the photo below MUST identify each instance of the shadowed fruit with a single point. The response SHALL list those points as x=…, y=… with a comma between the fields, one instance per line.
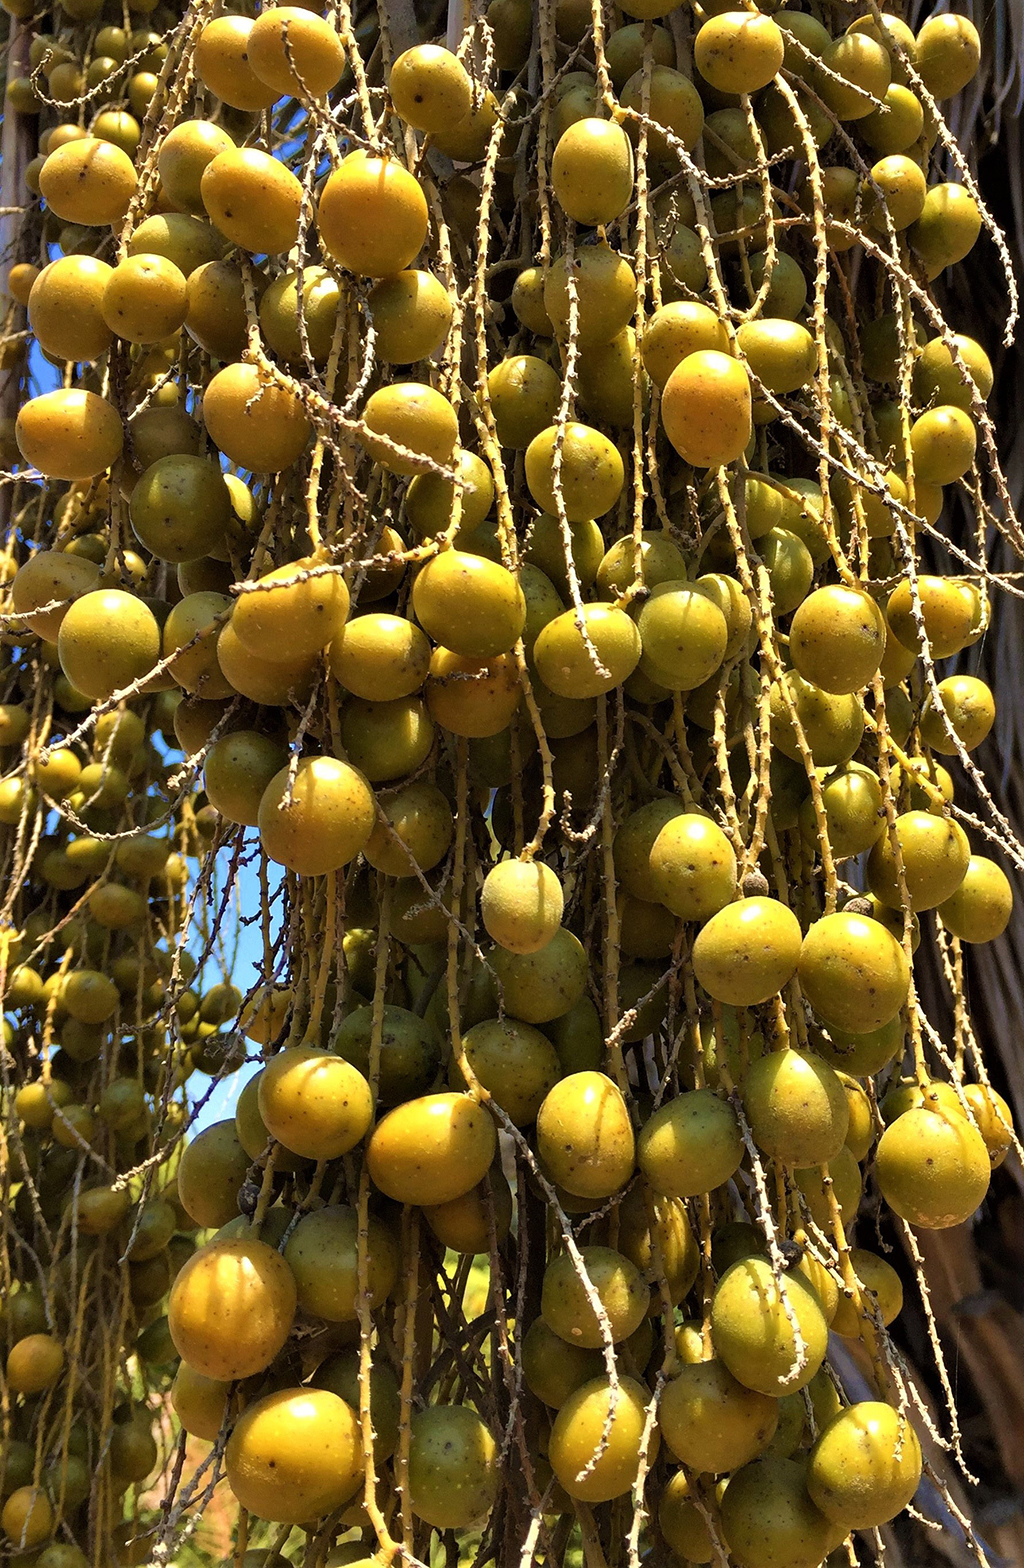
x=541, y=985
x=692, y=1144
x=322, y=1253
x=617, y=1285
x=796, y=1107
x=769, y=1520
x=711, y=1422
x=453, y=1467
x=752, y=1333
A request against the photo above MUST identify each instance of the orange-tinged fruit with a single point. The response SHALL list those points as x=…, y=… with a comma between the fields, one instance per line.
x=231, y=1308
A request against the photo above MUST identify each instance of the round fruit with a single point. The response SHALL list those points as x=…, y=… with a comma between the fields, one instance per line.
x=318, y=821
x=780, y=353
x=314, y=1103
x=432, y=1149
x=567, y=665
x=453, y=1467
x=768, y=1519
x=675, y=331
x=295, y=1455
x=578, y=1429
x=711, y=1422
x=88, y=181
x=706, y=409
x=465, y=1224
x=584, y=1137
x=381, y=657
x=469, y=604
x=554, y=1368
x=684, y=635
x=543, y=984
x=322, y=1253
x=616, y=1283
x=524, y=394
x=211, y=1171
x=180, y=508
x=27, y=1517
x=515, y=1063
x=295, y=52
x=692, y=1144
x=942, y=442
x=948, y=53
x=257, y=423
x=605, y=290
x=430, y=88
x=413, y=417
x=65, y=308
x=796, y=1107
x=589, y=476
x=34, y=1363
x=521, y=905
x=70, y=434
x=854, y=973
x=411, y=316
x=837, y=638
x=969, y=711
x=935, y=854
x=738, y=51
x=108, y=641
x=294, y=612
x=980, y=909
x=933, y=1169
x=238, y=768
x=752, y=1332
x=592, y=171
x=200, y=1403
x=231, y=1308
x=747, y=952
x=372, y=215
x=222, y=62
x=419, y=831
x=946, y=613
x=832, y=725
x=865, y=1466
x=874, y=1274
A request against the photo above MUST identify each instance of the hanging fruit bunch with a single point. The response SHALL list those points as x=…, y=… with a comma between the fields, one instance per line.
x=476, y=534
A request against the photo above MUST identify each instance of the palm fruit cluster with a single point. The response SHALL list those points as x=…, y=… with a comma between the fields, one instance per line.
x=476, y=504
